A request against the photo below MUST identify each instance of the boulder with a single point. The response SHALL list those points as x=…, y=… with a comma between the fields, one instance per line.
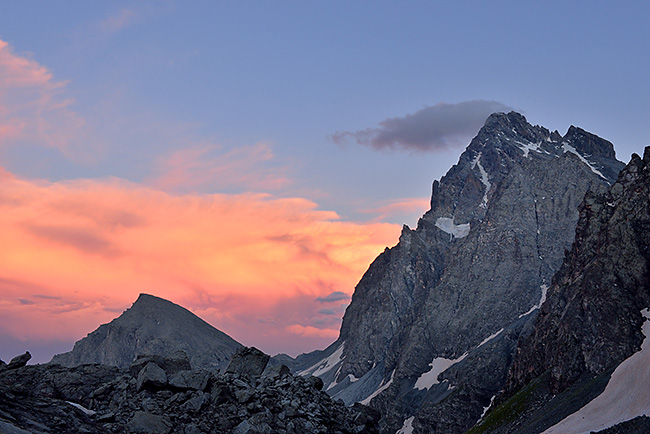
x=276, y=371
x=189, y=380
x=248, y=361
x=151, y=376
x=144, y=422
x=19, y=361
x=175, y=362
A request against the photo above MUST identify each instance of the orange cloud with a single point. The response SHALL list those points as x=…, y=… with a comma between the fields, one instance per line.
x=76, y=253
x=205, y=167
x=32, y=108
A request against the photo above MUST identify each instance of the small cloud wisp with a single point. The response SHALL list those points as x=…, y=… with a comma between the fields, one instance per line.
x=433, y=128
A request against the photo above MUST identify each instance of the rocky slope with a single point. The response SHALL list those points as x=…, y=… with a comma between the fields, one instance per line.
x=434, y=322
x=592, y=321
x=152, y=326
x=159, y=395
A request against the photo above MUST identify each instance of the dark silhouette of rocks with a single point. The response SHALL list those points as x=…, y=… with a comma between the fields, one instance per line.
x=148, y=399
x=19, y=361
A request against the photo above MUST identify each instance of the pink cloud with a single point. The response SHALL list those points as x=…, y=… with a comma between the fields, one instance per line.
x=119, y=20
x=32, y=108
x=206, y=167
x=22, y=72
x=310, y=331
x=76, y=253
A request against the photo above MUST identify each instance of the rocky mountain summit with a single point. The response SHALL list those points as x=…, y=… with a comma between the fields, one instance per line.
x=161, y=395
x=152, y=326
x=434, y=322
x=590, y=337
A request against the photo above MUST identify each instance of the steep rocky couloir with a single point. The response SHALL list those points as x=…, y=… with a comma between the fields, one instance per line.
x=434, y=322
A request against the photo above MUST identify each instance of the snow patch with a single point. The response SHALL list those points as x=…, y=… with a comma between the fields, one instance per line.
x=326, y=364
x=625, y=397
x=82, y=408
x=485, y=409
x=438, y=366
x=568, y=148
x=447, y=225
x=380, y=389
x=484, y=179
x=528, y=146
x=489, y=338
x=542, y=299
x=407, y=426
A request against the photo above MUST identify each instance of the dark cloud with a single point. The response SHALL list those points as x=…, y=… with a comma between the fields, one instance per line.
x=334, y=296
x=326, y=311
x=432, y=128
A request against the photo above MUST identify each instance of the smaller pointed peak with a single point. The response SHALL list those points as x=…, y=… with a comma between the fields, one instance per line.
x=588, y=143
x=646, y=155
x=143, y=298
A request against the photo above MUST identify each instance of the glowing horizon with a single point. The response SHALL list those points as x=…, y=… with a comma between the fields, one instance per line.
x=77, y=252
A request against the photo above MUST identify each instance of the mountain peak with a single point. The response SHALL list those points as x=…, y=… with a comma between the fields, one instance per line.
x=510, y=118
x=588, y=143
x=152, y=326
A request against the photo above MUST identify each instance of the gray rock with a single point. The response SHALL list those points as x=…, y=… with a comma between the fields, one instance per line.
x=476, y=265
x=7, y=428
x=171, y=364
x=19, y=361
x=190, y=380
x=591, y=320
x=315, y=382
x=153, y=326
x=34, y=399
x=276, y=370
x=151, y=376
x=248, y=361
x=145, y=422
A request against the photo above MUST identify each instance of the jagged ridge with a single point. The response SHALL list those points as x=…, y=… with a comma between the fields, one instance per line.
x=460, y=287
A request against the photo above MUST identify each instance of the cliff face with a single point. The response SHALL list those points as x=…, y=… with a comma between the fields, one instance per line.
x=592, y=318
x=433, y=323
x=152, y=326
x=583, y=365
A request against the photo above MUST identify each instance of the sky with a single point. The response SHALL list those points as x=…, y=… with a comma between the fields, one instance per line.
x=248, y=160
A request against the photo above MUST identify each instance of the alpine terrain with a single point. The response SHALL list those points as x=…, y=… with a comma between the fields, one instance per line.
x=433, y=324
x=590, y=339
x=152, y=326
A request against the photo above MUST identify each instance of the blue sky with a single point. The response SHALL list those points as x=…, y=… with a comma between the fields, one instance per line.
x=303, y=99
x=150, y=77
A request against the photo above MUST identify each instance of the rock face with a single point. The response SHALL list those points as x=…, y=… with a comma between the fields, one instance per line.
x=434, y=322
x=152, y=326
x=248, y=361
x=592, y=318
x=101, y=399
